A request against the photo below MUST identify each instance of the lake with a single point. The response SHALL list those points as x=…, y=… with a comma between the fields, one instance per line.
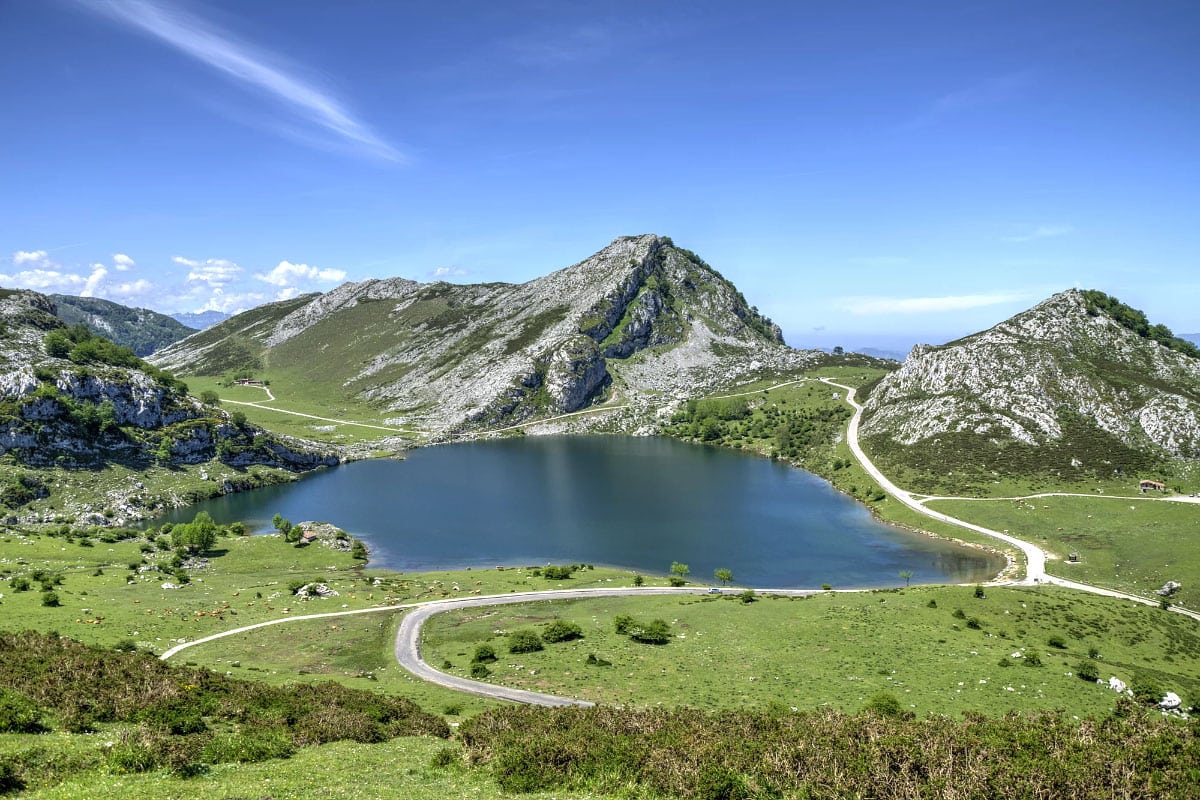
x=635, y=502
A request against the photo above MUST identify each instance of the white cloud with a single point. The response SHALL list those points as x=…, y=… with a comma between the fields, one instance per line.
x=205, y=42
x=287, y=293
x=286, y=272
x=123, y=262
x=99, y=273
x=212, y=271
x=231, y=303
x=42, y=279
x=30, y=257
x=446, y=272
x=925, y=305
x=1042, y=232
x=130, y=289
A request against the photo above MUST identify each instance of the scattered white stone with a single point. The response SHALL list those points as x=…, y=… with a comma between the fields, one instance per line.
x=169, y=585
x=1170, y=701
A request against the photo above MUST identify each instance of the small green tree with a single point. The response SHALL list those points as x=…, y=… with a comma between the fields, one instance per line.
x=209, y=397
x=724, y=575
x=679, y=573
x=484, y=654
x=638, y=580
x=197, y=536
x=906, y=574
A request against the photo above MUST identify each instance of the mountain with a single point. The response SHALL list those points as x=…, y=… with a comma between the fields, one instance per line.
x=1078, y=385
x=1194, y=338
x=200, y=320
x=141, y=330
x=640, y=320
x=73, y=405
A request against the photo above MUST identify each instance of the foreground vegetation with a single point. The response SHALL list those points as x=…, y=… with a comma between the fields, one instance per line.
x=882, y=753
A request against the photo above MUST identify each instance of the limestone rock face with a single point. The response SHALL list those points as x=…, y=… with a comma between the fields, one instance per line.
x=54, y=411
x=1061, y=363
x=641, y=318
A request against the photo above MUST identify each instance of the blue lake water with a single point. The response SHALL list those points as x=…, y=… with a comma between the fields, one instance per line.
x=632, y=502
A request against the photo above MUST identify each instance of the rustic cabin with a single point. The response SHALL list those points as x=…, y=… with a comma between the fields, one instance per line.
x=1148, y=485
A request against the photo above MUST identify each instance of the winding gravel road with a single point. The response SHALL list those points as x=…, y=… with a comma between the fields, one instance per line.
x=408, y=638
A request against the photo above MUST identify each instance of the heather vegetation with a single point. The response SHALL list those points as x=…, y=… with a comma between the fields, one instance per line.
x=690, y=753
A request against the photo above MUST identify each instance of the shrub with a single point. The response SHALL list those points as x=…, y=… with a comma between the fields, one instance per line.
x=638, y=580
x=959, y=614
x=561, y=631
x=931, y=604
x=974, y=624
x=19, y=583
x=444, y=758
x=655, y=632
x=592, y=660
x=524, y=641
x=484, y=654
x=885, y=704
x=479, y=671
x=676, y=581
x=622, y=623
x=557, y=573
x=979, y=595
x=10, y=781
x=1146, y=690
x=1033, y=658
x=748, y=596
x=50, y=599
x=248, y=746
x=1088, y=671
x=19, y=714
x=1057, y=642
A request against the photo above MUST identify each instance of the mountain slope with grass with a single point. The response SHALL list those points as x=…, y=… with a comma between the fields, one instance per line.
x=74, y=406
x=1079, y=387
x=641, y=318
x=141, y=330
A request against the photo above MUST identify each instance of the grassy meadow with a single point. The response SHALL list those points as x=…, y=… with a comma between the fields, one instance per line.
x=940, y=650
x=1134, y=545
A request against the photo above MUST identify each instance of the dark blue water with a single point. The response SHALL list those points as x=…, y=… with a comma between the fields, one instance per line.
x=623, y=501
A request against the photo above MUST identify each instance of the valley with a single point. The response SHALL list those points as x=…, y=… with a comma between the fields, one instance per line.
x=959, y=442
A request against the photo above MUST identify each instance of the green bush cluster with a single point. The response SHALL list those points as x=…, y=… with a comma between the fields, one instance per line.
x=561, y=630
x=1135, y=320
x=883, y=753
x=182, y=719
x=654, y=632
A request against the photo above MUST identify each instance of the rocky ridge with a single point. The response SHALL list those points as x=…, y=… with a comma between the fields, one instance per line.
x=1028, y=379
x=89, y=408
x=641, y=318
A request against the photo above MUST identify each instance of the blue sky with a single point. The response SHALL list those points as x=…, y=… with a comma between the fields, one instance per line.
x=867, y=173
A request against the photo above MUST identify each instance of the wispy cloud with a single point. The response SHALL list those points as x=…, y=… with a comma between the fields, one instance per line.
x=989, y=92
x=210, y=271
x=876, y=306
x=1042, y=232
x=552, y=48
x=245, y=64
x=447, y=272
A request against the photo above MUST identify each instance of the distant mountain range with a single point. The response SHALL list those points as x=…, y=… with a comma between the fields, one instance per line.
x=201, y=320
x=141, y=330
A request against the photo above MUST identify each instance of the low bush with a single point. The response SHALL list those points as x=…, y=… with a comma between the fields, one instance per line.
x=484, y=654
x=524, y=641
x=561, y=630
x=1088, y=671
x=557, y=573
x=19, y=714
x=1057, y=642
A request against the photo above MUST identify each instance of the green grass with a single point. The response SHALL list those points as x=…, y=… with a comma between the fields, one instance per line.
x=342, y=770
x=1135, y=545
x=838, y=650
x=301, y=396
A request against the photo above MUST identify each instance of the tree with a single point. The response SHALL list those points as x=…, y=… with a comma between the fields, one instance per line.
x=679, y=573
x=724, y=575
x=638, y=580
x=197, y=536
x=209, y=397
x=837, y=351
x=907, y=575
